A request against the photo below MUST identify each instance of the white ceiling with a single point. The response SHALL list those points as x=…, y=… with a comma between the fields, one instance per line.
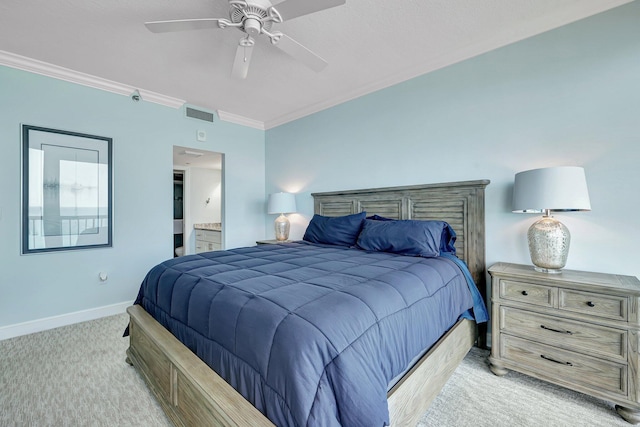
x=369, y=45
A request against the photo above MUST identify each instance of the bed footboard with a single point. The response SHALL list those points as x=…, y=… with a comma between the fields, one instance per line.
x=190, y=393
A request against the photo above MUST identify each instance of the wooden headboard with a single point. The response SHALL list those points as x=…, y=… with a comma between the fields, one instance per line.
x=461, y=204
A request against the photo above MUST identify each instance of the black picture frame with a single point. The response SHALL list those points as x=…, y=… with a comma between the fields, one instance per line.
x=67, y=186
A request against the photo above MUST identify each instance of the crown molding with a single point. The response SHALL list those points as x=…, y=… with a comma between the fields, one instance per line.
x=240, y=120
x=43, y=68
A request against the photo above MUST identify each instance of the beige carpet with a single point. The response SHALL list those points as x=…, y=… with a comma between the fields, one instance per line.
x=77, y=376
x=474, y=397
x=74, y=376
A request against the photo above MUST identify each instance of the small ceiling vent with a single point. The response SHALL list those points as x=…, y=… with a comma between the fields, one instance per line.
x=195, y=113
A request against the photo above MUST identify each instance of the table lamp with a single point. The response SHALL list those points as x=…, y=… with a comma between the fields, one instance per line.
x=281, y=203
x=556, y=189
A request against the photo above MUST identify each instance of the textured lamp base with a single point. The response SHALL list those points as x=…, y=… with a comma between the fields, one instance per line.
x=282, y=227
x=549, y=243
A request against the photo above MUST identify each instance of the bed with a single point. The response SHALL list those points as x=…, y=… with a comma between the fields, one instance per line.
x=191, y=393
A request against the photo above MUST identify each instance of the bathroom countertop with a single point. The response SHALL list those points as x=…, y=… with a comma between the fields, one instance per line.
x=214, y=226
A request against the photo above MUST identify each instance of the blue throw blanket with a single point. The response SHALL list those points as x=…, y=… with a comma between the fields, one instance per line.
x=310, y=334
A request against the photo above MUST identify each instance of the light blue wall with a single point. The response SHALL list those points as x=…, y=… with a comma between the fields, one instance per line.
x=567, y=97
x=42, y=285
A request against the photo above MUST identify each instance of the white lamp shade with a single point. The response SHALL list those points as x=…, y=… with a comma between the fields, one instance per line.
x=556, y=189
x=280, y=203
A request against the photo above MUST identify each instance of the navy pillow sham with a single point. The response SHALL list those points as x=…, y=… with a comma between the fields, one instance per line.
x=379, y=218
x=338, y=230
x=408, y=237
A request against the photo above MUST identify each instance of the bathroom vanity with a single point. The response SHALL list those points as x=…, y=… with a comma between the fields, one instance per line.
x=208, y=237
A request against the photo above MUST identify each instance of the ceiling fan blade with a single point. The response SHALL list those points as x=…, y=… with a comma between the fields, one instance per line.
x=182, y=25
x=290, y=9
x=301, y=53
x=243, y=58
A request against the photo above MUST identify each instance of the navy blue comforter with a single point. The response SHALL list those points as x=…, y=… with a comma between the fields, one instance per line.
x=310, y=334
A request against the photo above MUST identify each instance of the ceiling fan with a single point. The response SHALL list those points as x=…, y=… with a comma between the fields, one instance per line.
x=255, y=18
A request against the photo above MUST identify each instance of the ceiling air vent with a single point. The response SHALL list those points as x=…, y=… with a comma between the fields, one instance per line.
x=195, y=113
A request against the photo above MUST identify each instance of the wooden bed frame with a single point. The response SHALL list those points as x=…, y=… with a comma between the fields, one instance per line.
x=192, y=394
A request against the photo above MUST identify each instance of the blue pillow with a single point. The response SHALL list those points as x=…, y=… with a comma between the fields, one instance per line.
x=377, y=217
x=408, y=237
x=338, y=230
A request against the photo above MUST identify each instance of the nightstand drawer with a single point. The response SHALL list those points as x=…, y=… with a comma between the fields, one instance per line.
x=527, y=292
x=557, y=364
x=580, y=336
x=608, y=306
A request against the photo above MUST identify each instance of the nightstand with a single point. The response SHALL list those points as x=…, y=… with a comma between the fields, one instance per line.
x=575, y=329
x=271, y=242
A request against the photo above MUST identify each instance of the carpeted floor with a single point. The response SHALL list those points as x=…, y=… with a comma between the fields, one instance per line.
x=77, y=376
x=74, y=376
x=474, y=397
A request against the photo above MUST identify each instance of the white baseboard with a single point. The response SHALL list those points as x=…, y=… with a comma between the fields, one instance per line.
x=39, y=325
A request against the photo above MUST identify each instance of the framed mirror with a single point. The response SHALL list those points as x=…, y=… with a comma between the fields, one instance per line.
x=66, y=190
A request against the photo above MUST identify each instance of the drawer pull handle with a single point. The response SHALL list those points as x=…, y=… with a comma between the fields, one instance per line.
x=550, y=359
x=590, y=304
x=525, y=293
x=556, y=330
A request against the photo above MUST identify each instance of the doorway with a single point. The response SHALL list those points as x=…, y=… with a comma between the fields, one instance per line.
x=198, y=174
x=178, y=213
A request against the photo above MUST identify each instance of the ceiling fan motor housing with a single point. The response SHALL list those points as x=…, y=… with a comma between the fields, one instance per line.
x=252, y=15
